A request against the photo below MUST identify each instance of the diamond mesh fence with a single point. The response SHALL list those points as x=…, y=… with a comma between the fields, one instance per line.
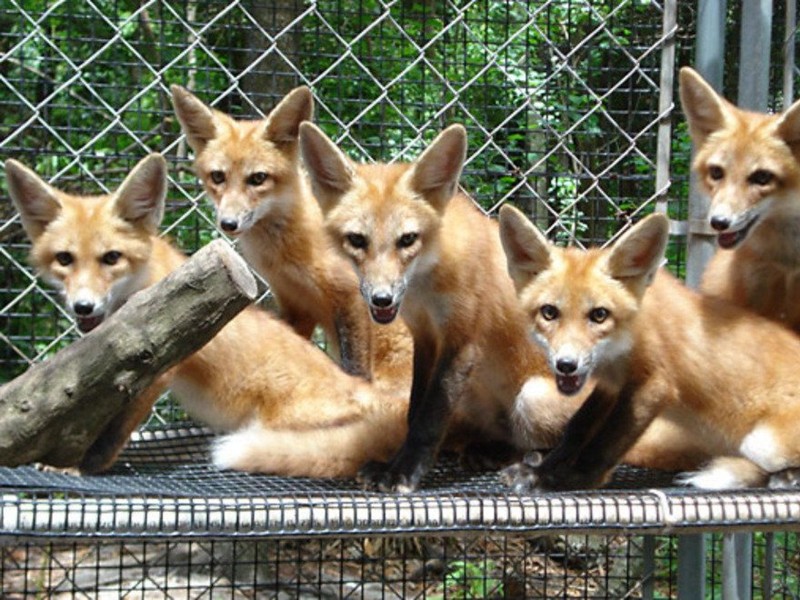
x=565, y=102
x=560, y=99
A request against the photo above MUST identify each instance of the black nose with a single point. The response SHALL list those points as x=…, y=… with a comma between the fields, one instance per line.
x=566, y=366
x=720, y=223
x=381, y=299
x=229, y=224
x=83, y=308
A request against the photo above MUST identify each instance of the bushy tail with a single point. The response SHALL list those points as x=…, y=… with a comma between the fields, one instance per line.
x=725, y=473
x=334, y=449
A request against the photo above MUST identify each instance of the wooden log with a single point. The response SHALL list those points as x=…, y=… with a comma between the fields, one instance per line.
x=55, y=410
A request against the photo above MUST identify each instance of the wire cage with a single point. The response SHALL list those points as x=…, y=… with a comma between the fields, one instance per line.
x=570, y=110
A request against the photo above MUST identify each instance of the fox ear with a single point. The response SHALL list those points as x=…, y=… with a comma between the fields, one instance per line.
x=196, y=119
x=36, y=201
x=140, y=197
x=789, y=124
x=283, y=123
x=527, y=250
x=329, y=170
x=436, y=172
x=639, y=252
x=705, y=110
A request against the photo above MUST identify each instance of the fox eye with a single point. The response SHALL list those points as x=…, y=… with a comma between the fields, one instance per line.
x=111, y=257
x=217, y=177
x=761, y=177
x=598, y=314
x=64, y=258
x=407, y=239
x=257, y=178
x=549, y=312
x=716, y=172
x=357, y=240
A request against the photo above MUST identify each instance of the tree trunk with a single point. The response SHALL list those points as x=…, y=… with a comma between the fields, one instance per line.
x=55, y=410
x=270, y=75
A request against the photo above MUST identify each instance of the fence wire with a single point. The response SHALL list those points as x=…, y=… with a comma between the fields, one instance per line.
x=560, y=99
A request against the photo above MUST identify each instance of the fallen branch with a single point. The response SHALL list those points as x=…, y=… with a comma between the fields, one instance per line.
x=55, y=410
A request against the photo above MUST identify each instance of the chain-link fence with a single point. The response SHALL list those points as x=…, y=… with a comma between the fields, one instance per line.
x=569, y=105
x=560, y=98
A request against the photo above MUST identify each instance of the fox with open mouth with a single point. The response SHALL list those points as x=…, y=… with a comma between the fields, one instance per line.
x=747, y=163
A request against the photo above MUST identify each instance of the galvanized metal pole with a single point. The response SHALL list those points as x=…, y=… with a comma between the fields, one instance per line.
x=769, y=564
x=709, y=62
x=737, y=566
x=663, y=160
x=788, y=53
x=756, y=38
x=648, y=567
x=666, y=104
x=754, y=61
x=692, y=567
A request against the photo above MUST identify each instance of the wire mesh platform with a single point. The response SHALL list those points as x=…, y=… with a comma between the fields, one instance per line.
x=164, y=487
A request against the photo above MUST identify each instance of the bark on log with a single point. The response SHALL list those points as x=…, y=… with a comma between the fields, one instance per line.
x=55, y=410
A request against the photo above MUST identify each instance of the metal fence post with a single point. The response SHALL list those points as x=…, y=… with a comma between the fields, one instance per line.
x=788, y=53
x=737, y=566
x=753, y=94
x=709, y=62
x=692, y=567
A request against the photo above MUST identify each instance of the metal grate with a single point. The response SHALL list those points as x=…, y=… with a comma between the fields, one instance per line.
x=164, y=486
x=368, y=568
x=564, y=102
x=163, y=522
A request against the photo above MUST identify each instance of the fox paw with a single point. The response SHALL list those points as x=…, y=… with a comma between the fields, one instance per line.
x=786, y=479
x=379, y=476
x=523, y=477
x=74, y=471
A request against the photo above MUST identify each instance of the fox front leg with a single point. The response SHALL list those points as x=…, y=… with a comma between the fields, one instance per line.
x=103, y=452
x=432, y=394
x=593, y=443
x=352, y=324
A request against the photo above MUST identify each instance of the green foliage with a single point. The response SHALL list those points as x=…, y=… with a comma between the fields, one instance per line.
x=467, y=580
x=551, y=94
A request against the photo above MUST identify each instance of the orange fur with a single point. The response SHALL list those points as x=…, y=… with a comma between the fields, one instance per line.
x=425, y=251
x=251, y=171
x=747, y=163
x=314, y=418
x=725, y=376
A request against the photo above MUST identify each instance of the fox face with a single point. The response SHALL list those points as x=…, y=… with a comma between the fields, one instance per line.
x=95, y=249
x=385, y=218
x=581, y=305
x=247, y=167
x=384, y=247
x=745, y=161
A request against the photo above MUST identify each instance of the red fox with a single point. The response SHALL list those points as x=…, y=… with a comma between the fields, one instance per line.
x=424, y=250
x=289, y=408
x=727, y=376
x=748, y=165
x=251, y=170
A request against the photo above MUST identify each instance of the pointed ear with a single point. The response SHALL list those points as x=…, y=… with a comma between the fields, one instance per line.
x=705, y=110
x=196, y=119
x=36, y=201
x=329, y=170
x=436, y=172
x=140, y=198
x=527, y=250
x=283, y=123
x=789, y=124
x=640, y=251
